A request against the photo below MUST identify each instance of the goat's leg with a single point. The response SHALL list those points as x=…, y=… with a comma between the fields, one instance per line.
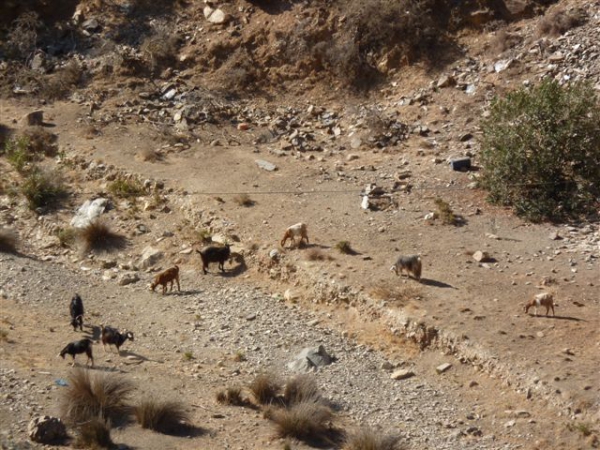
x=178, y=287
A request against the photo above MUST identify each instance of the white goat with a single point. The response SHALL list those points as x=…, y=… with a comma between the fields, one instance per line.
x=542, y=299
x=292, y=232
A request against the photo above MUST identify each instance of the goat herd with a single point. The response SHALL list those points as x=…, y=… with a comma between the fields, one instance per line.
x=220, y=254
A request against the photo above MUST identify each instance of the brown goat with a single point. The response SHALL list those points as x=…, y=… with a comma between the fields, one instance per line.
x=543, y=299
x=166, y=277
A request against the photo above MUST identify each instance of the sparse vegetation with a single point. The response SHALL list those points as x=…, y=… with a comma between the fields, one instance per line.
x=8, y=241
x=302, y=388
x=188, y=356
x=97, y=236
x=367, y=439
x=126, y=188
x=306, y=421
x=558, y=21
x=584, y=428
x=396, y=295
x=204, y=236
x=94, y=434
x=232, y=396
x=344, y=247
x=40, y=141
x=265, y=388
x=164, y=417
x=43, y=189
x=239, y=356
x=540, y=151
x=315, y=254
x=159, y=48
x=444, y=212
x=67, y=236
x=3, y=335
x=91, y=396
x=243, y=200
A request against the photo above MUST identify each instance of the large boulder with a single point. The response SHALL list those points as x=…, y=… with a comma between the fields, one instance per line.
x=309, y=359
x=89, y=211
x=46, y=430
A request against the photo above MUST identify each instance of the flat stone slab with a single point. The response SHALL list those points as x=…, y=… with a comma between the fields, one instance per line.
x=402, y=374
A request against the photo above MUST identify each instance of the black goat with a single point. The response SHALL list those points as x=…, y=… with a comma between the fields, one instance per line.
x=111, y=336
x=212, y=254
x=76, y=310
x=78, y=347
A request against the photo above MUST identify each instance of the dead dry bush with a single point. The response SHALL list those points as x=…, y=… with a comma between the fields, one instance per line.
x=98, y=237
x=59, y=85
x=558, y=21
x=300, y=389
x=159, y=49
x=92, y=396
x=167, y=417
x=315, y=254
x=396, y=295
x=22, y=38
x=238, y=72
x=502, y=41
x=232, y=396
x=8, y=241
x=307, y=421
x=94, y=434
x=367, y=439
x=265, y=388
x=40, y=141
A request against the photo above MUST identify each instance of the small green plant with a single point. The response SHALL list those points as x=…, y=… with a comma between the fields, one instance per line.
x=540, y=150
x=243, y=200
x=344, y=247
x=3, y=335
x=239, y=356
x=315, y=254
x=97, y=236
x=91, y=396
x=584, y=428
x=444, y=212
x=8, y=241
x=265, y=388
x=126, y=188
x=95, y=434
x=17, y=154
x=167, y=417
x=367, y=439
x=43, y=189
x=204, y=236
x=188, y=356
x=67, y=236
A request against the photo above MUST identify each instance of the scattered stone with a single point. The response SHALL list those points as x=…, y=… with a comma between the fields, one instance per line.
x=270, y=167
x=35, y=118
x=243, y=126
x=446, y=81
x=216, y=16
x=402, y=374
x=46, y=430
x=554, y=236
x=91, y=25
x=459, y=164
x=89, y=211
x=150, y=256
x=480, y=256
x=310, y=358
x=128, y=278
x=443, y=368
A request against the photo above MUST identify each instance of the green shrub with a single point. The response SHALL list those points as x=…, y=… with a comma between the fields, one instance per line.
x=541, y=151
x=17, y=153
x=43, y=189
x=344, y=247
x=126, y=188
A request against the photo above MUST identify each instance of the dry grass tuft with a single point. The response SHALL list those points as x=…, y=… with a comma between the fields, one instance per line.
x=367, y=439
x=344, y=247
x=265, y=388
x=40, y=141
x=164, y=417
x=232, y=396
x=8, y=241
x=315, y=254
x=88, y=397
x=123, y=188
x=94, y=434
x=98, y=236
x=43, y=189
x=445, y=212
x=243, y=200
x=300, y=389
x=306, y=421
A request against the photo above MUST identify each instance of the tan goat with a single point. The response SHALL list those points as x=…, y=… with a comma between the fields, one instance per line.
x=542, y=299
